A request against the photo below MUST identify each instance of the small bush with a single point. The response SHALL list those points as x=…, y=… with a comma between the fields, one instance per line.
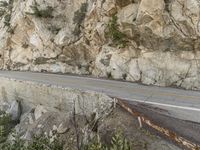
x=118, y=38
x=5, y=126
x=118, y=142
x=44, y=143
x=95, y=144
x=38, y=143
x=17, y=144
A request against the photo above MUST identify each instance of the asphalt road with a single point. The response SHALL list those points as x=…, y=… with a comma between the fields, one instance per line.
x=184, y=129
x=177, y=103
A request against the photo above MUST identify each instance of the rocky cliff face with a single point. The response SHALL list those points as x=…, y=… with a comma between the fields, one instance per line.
x=150, y=41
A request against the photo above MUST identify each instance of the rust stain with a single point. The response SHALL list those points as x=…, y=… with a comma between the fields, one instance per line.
x=170, y=134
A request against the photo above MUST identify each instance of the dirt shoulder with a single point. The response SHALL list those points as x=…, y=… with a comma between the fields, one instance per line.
x=140, y=138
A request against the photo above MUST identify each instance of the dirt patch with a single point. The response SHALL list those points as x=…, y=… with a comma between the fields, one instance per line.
x=141, y=139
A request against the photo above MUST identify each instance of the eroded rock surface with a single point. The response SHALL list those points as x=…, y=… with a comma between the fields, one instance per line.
x=71, y=36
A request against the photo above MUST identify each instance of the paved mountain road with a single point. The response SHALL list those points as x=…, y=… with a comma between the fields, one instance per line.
x=177, y=103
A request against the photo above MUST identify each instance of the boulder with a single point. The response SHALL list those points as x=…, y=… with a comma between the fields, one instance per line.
x=14, y=110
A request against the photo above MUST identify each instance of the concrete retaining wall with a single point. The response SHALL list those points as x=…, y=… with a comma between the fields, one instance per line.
x=31, y=94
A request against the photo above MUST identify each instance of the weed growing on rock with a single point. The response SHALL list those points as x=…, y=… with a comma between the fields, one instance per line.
x=118, y=142
x=95, y=144
x=118, y=38
x=17, y=144
x=37, y=143
x=5, y=122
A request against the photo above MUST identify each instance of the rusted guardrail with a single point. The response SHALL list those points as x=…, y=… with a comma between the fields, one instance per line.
x=166, y=132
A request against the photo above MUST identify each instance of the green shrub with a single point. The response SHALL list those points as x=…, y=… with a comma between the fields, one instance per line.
x=43, y=143
x=95, y=144
x=118, y=38
x=17, y=144
x=118, y=142
x=5, y=126
x=38, y=143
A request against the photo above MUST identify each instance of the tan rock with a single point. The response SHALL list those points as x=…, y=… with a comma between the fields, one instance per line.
x=163, y=40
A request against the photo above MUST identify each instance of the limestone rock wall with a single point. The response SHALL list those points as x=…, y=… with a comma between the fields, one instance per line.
x=150, y=41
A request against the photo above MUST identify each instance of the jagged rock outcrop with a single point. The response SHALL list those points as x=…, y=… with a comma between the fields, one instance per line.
x=35, y=109
x=150, y=41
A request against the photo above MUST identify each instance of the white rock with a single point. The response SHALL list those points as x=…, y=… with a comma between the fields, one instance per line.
x=14, y=111
x=128, y=14
x=4, y=106
x=39, y=111
x=62, y=128
x=28, y=136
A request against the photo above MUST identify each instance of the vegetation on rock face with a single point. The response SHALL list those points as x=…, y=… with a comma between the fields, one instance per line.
x=118, y=143
x=14, y=142
x=5, y=125
x=79, y=17
x=38, y=143
x=118, y=38
x=6, y=11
